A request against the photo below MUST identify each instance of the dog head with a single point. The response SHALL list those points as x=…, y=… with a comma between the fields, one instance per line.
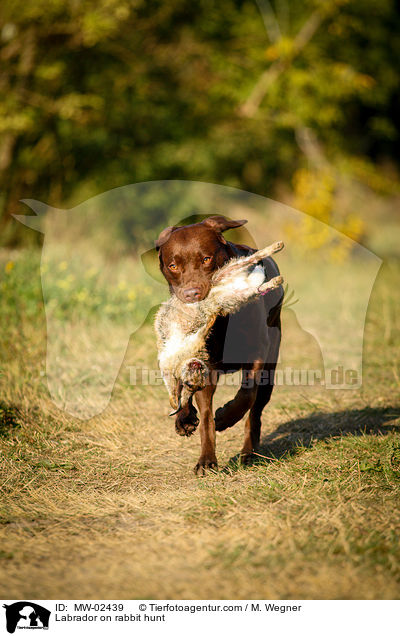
x=189, y=255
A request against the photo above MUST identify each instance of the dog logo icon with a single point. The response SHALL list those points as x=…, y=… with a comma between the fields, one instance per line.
x=26, y=615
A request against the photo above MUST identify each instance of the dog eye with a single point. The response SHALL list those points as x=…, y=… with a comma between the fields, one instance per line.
x=172, y=266
x=206, y=259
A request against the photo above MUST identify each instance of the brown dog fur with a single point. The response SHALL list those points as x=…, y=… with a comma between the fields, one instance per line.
x=189, y=257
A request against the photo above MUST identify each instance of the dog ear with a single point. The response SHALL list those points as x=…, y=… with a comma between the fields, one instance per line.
x=220, y=223
x=164, y=236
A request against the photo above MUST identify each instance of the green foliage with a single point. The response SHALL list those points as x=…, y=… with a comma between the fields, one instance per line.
x=74, y=290
x=96, y=95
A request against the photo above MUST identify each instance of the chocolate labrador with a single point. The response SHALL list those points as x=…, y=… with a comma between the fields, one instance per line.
x=248, y=340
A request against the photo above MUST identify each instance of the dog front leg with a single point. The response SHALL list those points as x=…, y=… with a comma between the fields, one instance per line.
x=233, y=411
x=208, y=458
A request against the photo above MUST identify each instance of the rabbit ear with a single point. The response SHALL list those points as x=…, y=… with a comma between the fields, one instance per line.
x=220, y=223
x=164, y=236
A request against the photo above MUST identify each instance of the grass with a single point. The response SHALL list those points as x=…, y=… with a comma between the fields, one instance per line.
x=109, y=508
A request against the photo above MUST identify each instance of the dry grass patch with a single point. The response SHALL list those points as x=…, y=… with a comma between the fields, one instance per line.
x=109, y=508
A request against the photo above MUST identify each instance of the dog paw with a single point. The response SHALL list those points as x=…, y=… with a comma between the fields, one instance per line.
x=205, y=465
x=221, y=422
x=246, y=458
x=186, y=424
x=185, y=429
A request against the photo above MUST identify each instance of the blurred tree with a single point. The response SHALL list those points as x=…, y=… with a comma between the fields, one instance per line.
x=101, y=93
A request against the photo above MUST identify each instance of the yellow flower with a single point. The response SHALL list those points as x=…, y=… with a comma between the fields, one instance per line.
x=63, y=266
x=66, y=283
x=9, y=266
x=81, y=295
x=132, y=295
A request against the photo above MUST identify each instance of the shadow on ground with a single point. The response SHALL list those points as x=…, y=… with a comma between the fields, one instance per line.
x=10, y=416
x=285, y=440
x=13, y=415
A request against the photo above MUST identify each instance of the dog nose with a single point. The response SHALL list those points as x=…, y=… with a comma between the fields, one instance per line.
x=192, y=294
